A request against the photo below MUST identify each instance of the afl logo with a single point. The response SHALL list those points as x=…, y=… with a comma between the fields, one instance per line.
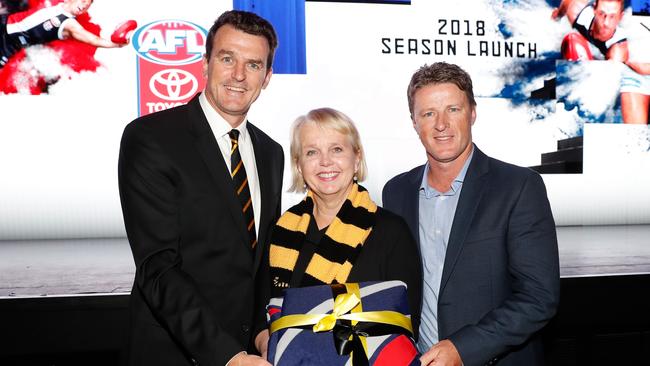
x=170, y=42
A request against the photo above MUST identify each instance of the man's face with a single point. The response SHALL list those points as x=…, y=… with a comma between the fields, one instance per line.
x=443, y=119
x=236, y=72
x=607, y=16
x=78, y=7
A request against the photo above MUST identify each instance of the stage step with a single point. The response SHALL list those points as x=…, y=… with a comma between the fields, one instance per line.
x=566, y=160
x=563, y=167
x=570, y=143
x=572, y=155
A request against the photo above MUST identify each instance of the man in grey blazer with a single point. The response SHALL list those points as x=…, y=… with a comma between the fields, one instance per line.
x=485, y=230
x=200, y=186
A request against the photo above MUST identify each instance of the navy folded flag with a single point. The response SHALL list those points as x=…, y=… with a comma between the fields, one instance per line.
x=355, y=324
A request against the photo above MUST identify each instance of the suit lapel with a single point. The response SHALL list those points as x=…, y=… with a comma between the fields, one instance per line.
x=412, y=203
x=208, y=148
x=470, y=197
x=265, y=176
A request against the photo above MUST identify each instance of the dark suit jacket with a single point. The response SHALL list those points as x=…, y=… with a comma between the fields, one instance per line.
x=193, y=296
x=500, y=280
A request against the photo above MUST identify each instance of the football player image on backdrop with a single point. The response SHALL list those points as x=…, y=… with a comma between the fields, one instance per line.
x=38, y=26
x=44, y=23
x=598, y=31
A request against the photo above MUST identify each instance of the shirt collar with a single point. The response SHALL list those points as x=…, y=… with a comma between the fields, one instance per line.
x=455, y=185
x=220, y=127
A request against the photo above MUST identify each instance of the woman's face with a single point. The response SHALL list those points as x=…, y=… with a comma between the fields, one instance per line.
x=327, y=162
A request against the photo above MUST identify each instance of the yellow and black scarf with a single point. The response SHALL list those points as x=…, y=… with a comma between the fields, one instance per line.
x=336, y=252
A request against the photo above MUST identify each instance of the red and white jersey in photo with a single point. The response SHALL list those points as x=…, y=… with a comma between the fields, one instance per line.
x=31, y=27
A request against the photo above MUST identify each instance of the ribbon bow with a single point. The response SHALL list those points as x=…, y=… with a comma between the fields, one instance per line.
x=343, y=304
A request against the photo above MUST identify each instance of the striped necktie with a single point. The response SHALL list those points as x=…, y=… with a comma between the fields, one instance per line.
x=240, y=181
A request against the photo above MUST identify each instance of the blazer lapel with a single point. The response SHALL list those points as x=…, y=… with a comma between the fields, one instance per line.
x=412, y=203
x=470, y=196
x=265, y=176
x=208, y=148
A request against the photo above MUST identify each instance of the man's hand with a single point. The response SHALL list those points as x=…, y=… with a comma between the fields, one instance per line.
x=442, y=353
x=242, y=359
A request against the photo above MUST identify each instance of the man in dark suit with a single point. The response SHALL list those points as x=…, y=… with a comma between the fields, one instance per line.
x=485, y=230
x=194, y=241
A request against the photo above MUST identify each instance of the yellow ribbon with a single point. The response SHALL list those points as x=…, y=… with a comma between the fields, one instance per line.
x=342, y=304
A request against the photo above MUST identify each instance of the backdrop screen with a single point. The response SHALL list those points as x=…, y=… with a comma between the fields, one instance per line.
x=545, y=100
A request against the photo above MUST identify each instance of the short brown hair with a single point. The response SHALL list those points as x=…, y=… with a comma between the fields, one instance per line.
x=247, y=22
x=438, y=73
x=326, y=118
x=622, y=2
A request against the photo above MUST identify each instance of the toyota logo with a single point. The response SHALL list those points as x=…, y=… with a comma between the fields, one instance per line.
x=173, y=84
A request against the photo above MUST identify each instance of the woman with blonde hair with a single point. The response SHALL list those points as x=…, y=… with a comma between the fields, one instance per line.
x=337, y=234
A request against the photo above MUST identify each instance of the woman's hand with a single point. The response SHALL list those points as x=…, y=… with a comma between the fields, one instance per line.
x=262, y=342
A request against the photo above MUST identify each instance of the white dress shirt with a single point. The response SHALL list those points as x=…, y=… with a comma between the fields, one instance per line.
x=220, y=128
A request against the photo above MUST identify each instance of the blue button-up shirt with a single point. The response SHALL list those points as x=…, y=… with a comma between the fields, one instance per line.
x=436, y=215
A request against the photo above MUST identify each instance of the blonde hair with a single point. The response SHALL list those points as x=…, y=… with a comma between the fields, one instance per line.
x=325, y=118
